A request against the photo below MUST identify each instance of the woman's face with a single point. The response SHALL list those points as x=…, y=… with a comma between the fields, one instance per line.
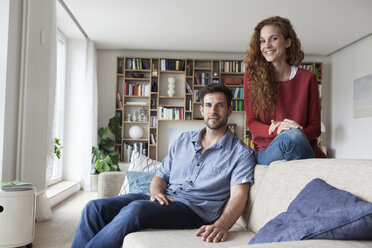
x=273, y=44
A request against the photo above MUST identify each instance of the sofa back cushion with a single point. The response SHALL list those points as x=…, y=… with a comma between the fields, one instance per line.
x=259, y=173
x=285, y=179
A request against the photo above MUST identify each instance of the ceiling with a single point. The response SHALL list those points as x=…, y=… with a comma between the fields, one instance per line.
x=323, y=26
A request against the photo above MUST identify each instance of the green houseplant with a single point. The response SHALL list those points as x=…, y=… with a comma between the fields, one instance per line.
x=57, y=147
x=104, y=156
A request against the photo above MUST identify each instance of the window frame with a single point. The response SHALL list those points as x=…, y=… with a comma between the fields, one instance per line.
x=59, y=105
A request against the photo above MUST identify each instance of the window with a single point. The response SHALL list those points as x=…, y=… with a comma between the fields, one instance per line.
x=59, y=104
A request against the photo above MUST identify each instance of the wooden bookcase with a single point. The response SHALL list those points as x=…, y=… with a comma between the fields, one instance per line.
x=143, y=99
x=317, y=69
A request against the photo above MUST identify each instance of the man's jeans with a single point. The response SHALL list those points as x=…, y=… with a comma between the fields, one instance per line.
x=105, y=222
x=289, y=145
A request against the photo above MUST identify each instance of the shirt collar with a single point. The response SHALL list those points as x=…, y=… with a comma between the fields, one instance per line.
x=225, y=141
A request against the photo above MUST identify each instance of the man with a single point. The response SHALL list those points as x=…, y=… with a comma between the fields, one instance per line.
x=202, y=171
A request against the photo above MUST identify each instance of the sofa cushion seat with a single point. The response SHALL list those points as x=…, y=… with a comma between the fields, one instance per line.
x=156, y=238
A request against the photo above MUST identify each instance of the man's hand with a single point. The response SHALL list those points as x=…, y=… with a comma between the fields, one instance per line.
x=163, y=199
x=212, y=233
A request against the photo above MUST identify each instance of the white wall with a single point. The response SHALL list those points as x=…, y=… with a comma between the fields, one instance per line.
x=4, y=23
x=325, y=102
x=350, y=138
x=33, y=148
x=11, y=28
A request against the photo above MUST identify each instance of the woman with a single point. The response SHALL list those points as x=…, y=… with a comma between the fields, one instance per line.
x=281, y=101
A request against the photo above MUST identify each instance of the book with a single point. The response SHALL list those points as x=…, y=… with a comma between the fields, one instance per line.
x=120, y=103
x=15, y=185
x=135, y=103
x=153, y=141
x=197, y=79
x=188, y=88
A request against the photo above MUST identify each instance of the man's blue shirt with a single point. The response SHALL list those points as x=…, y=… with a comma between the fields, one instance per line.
x=203, y=181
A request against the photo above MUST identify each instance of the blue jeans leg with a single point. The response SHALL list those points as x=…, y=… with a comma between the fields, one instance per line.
x=105, y=222
x=289, y=145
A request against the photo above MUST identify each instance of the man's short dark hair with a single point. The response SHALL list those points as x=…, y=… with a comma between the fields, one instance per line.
x=212, y=88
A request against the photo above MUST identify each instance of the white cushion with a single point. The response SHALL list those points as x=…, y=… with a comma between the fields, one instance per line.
x=139, y=163
x=185, y=238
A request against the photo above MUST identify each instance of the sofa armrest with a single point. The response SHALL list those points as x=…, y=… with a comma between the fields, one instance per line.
x=109, y=183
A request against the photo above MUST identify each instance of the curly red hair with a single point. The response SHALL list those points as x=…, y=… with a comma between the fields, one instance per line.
x=263, y=83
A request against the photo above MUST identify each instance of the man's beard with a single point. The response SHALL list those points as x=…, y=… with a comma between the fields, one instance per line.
x=216, y=125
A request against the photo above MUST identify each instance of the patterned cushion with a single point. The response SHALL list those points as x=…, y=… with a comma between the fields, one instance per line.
x=139, y=163
x=139, y=182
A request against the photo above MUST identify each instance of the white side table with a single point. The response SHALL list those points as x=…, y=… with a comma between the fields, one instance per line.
x=17, y=218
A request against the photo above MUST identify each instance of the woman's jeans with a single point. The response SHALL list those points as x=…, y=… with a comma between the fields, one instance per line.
x=105, y=222
x=289, y=145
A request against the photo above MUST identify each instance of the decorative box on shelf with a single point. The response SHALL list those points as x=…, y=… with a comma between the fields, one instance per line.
x=233, y=80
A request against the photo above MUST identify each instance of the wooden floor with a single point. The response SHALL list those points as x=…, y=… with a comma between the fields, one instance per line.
x=59, y=231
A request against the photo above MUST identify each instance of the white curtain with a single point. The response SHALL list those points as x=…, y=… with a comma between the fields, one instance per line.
x=80, y=132
x=43, y=210
x=91, y=111
x=37, y=96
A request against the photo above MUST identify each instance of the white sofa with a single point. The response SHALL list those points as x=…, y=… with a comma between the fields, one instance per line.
x=274, y=188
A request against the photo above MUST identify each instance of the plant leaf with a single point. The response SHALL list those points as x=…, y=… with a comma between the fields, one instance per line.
x=113, y=124
x=103, y=164
x=108, y=145
x=114, y=157
x=103, y=132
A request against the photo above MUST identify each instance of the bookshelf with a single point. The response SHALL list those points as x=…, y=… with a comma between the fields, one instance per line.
x=317, y=69
x=143, y=99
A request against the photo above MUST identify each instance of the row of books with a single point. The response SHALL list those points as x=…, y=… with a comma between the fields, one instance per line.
x=118, y=114
x=318, y=72
x=172, y=65
x=152, y=139
x=232, y=66
x=238, y=105
x=154, y=121
x=140, y=147
x=202, y=78
x=248, y=139
x=136, y=89
x=196, y=96
x=317, y=69
x=170, y=113
x=15, y=185
x=119, y=102
x=238, y=92
x=138, y=64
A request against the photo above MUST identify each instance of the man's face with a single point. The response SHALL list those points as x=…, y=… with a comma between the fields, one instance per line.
x=215, y=110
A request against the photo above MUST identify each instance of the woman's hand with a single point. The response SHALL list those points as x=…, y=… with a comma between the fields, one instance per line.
x=273, y=126
x=287, y=124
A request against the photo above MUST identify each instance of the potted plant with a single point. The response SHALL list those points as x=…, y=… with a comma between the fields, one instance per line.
x=104, y=156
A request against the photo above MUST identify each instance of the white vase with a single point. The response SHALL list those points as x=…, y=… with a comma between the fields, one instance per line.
x=171, y=86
